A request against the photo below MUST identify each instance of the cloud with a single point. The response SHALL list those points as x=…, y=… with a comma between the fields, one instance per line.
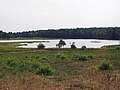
x=19, y=15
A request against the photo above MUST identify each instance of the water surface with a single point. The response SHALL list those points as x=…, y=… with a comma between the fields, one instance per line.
x=89, y=43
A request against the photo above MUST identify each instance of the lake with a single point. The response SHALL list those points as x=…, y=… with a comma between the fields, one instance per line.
x=89, y=43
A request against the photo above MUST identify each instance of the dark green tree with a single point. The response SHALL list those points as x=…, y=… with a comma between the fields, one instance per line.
x=41, y=46
x=61, y=44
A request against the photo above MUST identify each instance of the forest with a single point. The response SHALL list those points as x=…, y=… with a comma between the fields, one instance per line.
x=108, y=33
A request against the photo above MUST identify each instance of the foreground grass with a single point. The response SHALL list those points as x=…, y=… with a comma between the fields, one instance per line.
x=70, y=72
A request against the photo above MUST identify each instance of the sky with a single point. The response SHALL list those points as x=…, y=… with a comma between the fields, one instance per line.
x=26, y=15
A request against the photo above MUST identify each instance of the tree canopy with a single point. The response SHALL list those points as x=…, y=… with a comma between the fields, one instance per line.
x=109, y=33
x=61, y=43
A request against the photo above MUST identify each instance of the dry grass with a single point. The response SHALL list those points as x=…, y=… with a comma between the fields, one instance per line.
x=90, y=80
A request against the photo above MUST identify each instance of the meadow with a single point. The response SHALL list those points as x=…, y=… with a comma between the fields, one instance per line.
x=58, y=69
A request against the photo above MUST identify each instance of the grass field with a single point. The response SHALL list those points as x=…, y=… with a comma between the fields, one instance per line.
x=20, y=69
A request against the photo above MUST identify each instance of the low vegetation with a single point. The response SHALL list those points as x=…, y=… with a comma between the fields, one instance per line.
x=45, y=70
x=60, y=56
x=59, y=69
x=82, y=58
x=15, y=67
x=105, y=65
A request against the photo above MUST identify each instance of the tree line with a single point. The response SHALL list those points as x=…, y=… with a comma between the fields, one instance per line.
x=109, y=33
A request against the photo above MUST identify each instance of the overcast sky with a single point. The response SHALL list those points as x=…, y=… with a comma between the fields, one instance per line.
x=24, y=15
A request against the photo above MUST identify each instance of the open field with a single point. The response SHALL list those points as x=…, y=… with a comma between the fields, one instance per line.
x=19, y=69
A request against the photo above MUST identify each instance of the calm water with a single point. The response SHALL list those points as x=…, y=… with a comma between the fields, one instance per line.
x=89, y=43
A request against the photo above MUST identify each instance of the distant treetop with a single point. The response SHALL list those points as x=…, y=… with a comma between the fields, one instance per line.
x=109, y=33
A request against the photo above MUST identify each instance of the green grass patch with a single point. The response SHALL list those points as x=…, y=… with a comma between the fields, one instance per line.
x=105, y=65
x=19, y=67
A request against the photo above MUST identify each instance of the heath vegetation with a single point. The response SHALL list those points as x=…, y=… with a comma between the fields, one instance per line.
x=59, y=69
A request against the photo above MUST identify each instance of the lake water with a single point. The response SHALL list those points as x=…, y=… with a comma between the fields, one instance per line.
x=89, y=43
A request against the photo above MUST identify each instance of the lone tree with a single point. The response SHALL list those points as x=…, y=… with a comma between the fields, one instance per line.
x=61, y=43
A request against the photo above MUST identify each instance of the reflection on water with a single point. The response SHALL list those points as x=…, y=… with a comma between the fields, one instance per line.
x=89, y=43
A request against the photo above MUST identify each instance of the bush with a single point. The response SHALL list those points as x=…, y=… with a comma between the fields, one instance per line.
x=105, y=65
x=35, y=65
x=117, y=48
x=73, y=46
x=11, y=63
x=58, y=55
x=41, y=46
x=37, y=57
x=61, y=56
x=45, y=70
x=83, y=47
x=82, y=58
x=90, y=57
x=44, y=58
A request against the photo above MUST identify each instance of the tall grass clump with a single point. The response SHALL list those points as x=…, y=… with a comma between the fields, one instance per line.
x=105, y=65
x=45, y=70
x=82, y=58
x=41, y=46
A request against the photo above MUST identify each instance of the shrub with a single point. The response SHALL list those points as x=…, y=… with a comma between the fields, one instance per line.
x=58, y=55
x=83, y=47
x=73, y=46
x=45, y=70
x=41, y=46
x=105, y=65
x=37, y=57
x=90, y=57
x=82, y=58
x=117, y=48
x=11, y=63
x=35, y=65
x=61, y=56
x=44, y=58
